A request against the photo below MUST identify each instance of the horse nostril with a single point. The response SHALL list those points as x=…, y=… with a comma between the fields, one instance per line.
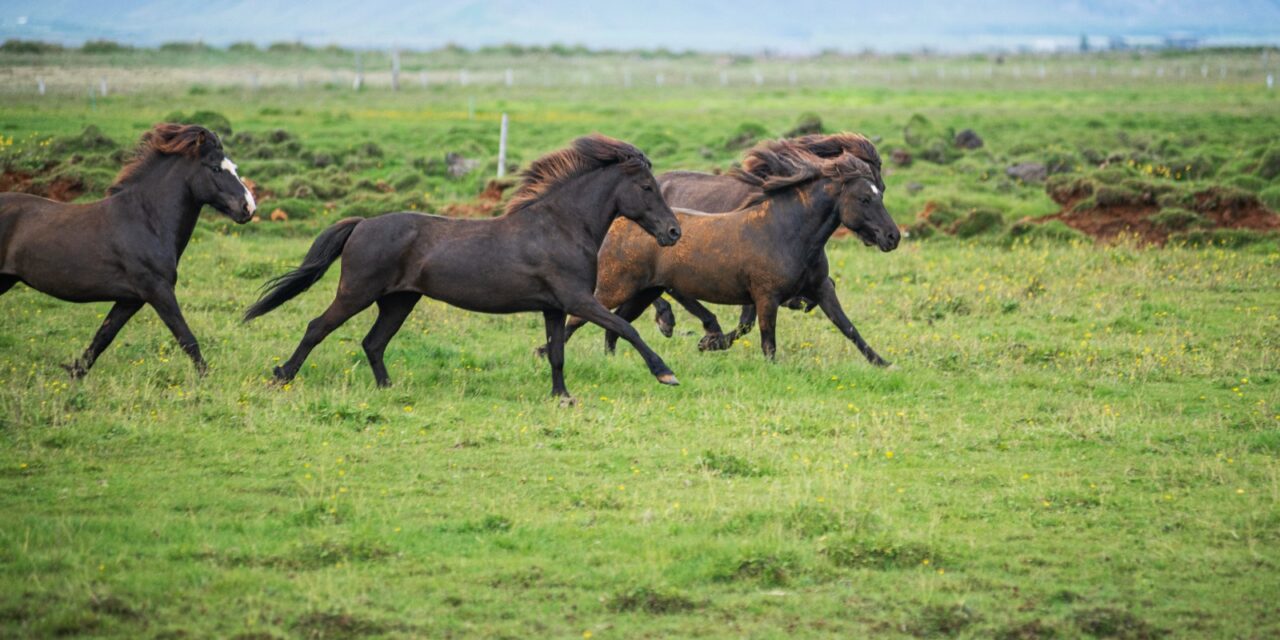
x=674, y=232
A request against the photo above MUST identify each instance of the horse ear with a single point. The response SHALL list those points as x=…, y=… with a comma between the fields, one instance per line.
x=200, y=138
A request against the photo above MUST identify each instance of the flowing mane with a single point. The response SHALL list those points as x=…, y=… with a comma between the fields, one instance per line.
x=831, y=146
x=848, y=167
x=162, y=140
x=778, y=164
x=584, y=154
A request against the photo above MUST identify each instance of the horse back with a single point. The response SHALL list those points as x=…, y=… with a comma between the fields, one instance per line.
x=704, y=191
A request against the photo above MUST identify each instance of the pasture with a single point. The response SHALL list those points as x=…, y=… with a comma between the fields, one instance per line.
x=1076, y=439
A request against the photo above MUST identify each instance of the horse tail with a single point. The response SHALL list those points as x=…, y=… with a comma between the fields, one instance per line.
x=324, y=251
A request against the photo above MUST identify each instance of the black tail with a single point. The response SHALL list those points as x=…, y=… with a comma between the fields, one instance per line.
x=324, y=251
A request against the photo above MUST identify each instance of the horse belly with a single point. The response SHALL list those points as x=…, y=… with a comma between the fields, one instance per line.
x=482, y=286
x=71, y=273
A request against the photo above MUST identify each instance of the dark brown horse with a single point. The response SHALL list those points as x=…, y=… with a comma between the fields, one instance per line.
x=764, y=253
x=125, y=248
x=539, y=256
x=722, y=193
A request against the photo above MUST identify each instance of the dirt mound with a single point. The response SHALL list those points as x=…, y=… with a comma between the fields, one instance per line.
x=1141, y=216
x=487, y=204
x=63, y=188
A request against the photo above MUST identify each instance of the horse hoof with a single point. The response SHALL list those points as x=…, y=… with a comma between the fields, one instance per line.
x=568, y=401
x=715, y=342
x=75, y=370
x=280, y=377
x=666, y=326
x=882, y=363
x=540, y=352
x=669, y=379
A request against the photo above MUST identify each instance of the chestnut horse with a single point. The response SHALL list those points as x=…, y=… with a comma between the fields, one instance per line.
x=539, y=256
x=764, y=253
x=125, y=248
x=710, y=193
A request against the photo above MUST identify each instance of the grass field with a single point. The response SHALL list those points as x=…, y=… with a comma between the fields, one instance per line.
x=1075, y=440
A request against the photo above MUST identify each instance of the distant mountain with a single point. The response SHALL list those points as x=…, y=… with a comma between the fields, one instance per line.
x=714, y=25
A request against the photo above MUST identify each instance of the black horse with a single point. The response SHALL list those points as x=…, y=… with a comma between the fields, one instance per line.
x=764, y=253
x=126, y=247
x=710, y=193
x=539, y=256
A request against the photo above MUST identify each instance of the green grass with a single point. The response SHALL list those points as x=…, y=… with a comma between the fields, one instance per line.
x=1074, y=440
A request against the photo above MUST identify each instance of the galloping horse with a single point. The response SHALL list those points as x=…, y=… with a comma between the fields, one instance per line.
x=126, y=247
x=539, y=256
x=764, y=253
x=710, y=193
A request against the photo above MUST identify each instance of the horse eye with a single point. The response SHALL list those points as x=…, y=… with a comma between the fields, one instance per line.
x=647, y=187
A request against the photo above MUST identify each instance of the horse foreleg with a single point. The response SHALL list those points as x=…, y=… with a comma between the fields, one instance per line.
x=746, y=321
x=714, y=338
x=591, y=310
x=166, y=306
x=554, y=321
x=393, y=309
x=767, y=311
x=825, y=294
x=120, y=314
x=663, y=317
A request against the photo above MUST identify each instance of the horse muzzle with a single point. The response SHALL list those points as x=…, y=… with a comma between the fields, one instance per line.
x=668, y=237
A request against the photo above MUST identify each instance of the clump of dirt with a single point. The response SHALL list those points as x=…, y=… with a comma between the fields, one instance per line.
x=955, y=219
x=486, y=205
x=1107, y=213
x=63, y=188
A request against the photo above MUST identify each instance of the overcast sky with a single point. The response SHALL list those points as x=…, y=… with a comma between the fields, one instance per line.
x=715, y=25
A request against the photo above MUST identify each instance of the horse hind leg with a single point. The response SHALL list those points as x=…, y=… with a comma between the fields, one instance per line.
x=393, y=309
x=343, y=307
x=629, y=311
x=115, y=320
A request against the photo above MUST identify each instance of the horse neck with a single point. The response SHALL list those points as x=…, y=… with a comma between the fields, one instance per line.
x=160, y=194
x=585, y=205
x=805, y=216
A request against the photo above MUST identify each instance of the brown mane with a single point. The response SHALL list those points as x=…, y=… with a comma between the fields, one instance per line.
x=830, y=146
x=584, y=154
x=162, y=140
x=848, y=167
x=777, y=164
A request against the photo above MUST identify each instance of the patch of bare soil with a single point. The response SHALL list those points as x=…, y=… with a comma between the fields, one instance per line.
x=486, y=205
x=62, y=188
x=1220, y=209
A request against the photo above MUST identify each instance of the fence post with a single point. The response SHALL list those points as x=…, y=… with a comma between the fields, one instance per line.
x=502, y=147
x=1271, y=81
x=359, y=81
x=395, y=69
x=102, y=84
x=40, y=84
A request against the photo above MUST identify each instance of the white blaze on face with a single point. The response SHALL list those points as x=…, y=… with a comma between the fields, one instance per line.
x=230, y=167
x=875, y=190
